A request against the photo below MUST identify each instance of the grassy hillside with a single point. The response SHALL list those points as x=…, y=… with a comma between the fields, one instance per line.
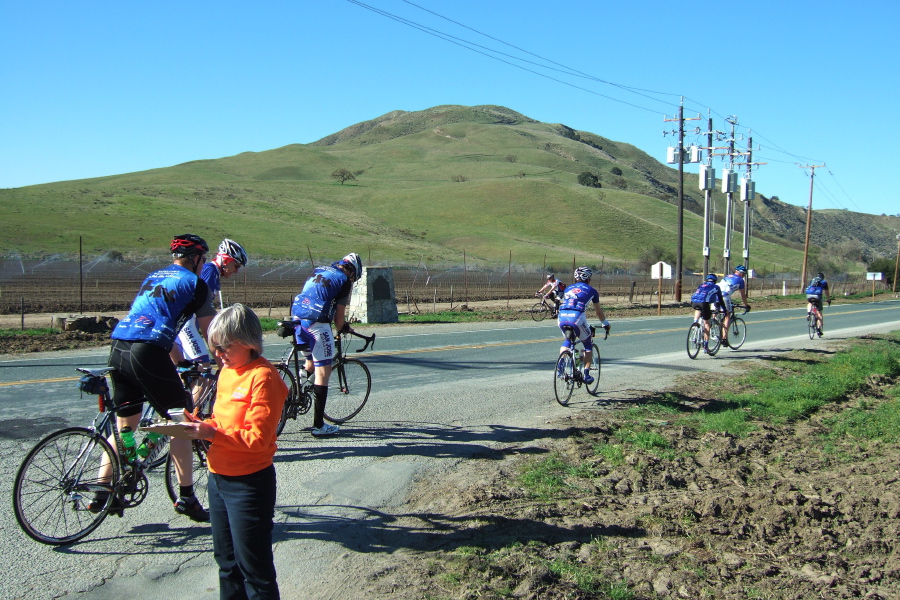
x=429, y=185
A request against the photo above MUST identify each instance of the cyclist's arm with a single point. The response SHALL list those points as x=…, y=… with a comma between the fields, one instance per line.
x=339, y=316
x=599, y=310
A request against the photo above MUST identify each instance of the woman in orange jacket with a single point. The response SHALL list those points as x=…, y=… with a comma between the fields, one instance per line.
x=241, y=489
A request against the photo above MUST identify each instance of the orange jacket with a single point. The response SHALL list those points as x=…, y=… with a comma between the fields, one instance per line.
x=248, y=405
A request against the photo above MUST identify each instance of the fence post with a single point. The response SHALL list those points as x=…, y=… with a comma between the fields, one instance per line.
x=631, y=293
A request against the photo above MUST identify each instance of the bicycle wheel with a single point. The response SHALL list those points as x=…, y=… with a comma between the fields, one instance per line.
x=694, y=340
x=348, y=390
x=56, y=482
x=204, y=406
x=811, y=324
x=715, y=336
x=160, y=451
x=595, y=371
x=290, y=404
x=564, y=378
x=198, y=468
x=737, y=333
x=540, y=311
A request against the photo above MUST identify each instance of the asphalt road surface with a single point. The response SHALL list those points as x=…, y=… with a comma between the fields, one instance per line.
x=440, y=395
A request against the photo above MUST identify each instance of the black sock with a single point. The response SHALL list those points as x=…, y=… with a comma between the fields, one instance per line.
x=321, y=392
x=186, y=491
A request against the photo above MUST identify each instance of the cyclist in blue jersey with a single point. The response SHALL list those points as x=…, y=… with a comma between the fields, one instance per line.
x=324, y=299
x=817, y=288
x=707, y=297
x=729, y=285
x=190, y=345
x=554, y=289
x=571, y=314
x=141, y=343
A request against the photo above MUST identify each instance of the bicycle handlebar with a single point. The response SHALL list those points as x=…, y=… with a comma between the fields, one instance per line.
x=370, y=339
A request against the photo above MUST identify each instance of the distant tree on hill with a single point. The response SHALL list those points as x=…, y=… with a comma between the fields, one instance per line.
x=616, y=171
x=343, y=175
x=886, y=266
x=588, y=179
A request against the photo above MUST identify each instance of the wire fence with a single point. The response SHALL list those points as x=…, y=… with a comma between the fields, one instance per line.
x=65, y=286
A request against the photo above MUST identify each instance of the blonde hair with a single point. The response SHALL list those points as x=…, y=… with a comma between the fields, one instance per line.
x=237, y=324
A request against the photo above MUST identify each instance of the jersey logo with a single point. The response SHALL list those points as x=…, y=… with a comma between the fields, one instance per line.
x=158, y=291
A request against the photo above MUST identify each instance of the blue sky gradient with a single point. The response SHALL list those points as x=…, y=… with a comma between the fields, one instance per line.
x=102, y=88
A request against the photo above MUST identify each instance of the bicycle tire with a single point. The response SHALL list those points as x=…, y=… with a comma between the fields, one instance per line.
x=596, y=365
x=56, y=482
x=540, y=311
x=715, y=336
x=564, y=378
x=198, y=468
x=160, y=451
x=292, y=399
x=348, y=390
x=811, y=322
x=737, y=333
x=694, y=340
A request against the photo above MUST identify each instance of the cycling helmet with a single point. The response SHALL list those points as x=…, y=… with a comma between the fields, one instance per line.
x=234, y=250
x=353, y=261
x=741, y=269
x=711, y=277
x=583, y=274
x=550, y=276
x=188, y=245
x=821, y=276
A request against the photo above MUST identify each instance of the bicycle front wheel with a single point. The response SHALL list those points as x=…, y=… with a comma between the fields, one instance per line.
x=540, y=311
x=564, y=378
x=290, y=404
x=694, y=340
x=594, y=372
x=198, y=469
x=56, y=482
x=737, y=333
x=348, y=390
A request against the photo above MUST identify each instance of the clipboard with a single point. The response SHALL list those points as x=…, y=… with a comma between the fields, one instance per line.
x=175, y=430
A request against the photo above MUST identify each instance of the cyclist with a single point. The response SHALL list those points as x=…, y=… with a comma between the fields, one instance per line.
x=141, y=343
x=728, y=285
x=571, y=314
x=707, y=296
x=324, y=299
x=189, y=344
x=817, y=288
x=554, y=289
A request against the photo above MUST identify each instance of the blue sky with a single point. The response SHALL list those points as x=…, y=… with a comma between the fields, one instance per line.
x=101, y=88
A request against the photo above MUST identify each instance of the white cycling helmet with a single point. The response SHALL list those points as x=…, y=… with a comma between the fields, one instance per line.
x=353, y=261
x=583, y=274
x=234, y=250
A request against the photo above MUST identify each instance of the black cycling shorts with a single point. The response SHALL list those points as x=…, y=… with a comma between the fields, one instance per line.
x=815, y=301
x=145, y=371
x=705, y=309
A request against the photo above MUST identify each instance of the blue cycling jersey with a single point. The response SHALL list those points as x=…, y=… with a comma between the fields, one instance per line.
x=577, y=296
x=731, y=283
x=322, y=292
x=166, y=300
x=210, y=274
x=708, y=292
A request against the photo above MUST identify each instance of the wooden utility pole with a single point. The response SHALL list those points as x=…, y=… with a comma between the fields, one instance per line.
x=812, y=176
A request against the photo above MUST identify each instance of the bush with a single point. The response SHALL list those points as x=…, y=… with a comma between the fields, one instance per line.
x=588, y=179
x=616, y=171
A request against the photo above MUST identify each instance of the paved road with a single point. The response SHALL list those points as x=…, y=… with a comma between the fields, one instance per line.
x=441, y=394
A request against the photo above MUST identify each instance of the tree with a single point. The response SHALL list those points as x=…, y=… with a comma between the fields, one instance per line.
x=886, y=266
x=588, y=179
x=616, y=171
x=343, y=175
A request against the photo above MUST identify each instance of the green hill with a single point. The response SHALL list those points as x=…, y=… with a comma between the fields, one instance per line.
x=430, y=185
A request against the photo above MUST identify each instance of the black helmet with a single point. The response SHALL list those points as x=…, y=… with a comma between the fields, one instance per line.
x=820, y=275
x=188, y=245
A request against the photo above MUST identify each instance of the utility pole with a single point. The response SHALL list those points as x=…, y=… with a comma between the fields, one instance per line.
x=728, y=180
x=812, y=176
x=679, y=152
x=897, y=263
x=746, y=196
x=707, y=186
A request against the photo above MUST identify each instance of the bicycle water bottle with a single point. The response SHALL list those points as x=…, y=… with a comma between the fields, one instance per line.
x=128, y=442
x=148, y=444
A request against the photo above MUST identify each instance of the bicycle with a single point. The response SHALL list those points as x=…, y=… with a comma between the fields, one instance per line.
x=737, y=328
x=59, y=477
x=569, y=373
x=695, y=337
x=348, y=387
x=812, y=322
x=543, y=309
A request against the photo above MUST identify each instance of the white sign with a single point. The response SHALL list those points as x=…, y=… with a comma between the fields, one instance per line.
x=874, y=276
x=661, y=271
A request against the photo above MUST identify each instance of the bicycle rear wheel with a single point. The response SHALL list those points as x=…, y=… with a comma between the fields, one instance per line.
x=56, y=482
x=595, y=372
x=198, y=468
x=540, y=311
x=290, y=404
x=694, y=340
x=811, y=324
x=348, y=390
x=737, y=333
x=564, y=378
x=715, y=336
